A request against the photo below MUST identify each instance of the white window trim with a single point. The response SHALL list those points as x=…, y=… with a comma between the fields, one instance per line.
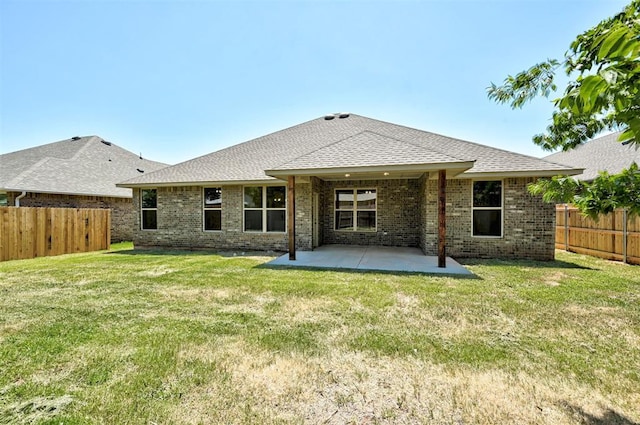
x=148, y=209
x=354, y=210
x=489, y=209
x=265, y=209
x=205, y=209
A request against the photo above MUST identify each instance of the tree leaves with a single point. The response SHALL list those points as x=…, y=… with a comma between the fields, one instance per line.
x=601, y=196
x=605, y=93
x=524, y=86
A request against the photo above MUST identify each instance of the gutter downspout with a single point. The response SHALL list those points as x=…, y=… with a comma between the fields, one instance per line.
x=22, y=195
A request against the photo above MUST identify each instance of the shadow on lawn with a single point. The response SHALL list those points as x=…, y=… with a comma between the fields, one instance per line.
x=555, y=264
x=187, y=251
x=365, y=271
x=609, y=417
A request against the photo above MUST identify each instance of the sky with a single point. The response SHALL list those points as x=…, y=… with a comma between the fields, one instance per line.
x=174, y=80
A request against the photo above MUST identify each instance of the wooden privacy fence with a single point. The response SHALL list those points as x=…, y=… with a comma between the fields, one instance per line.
x=38, y=232
x=613, y=236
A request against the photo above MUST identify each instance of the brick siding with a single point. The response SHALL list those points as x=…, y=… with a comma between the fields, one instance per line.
x=397, y=215
x=406, y=216
x=529, y=223
x=180, y=222
x=122, y=210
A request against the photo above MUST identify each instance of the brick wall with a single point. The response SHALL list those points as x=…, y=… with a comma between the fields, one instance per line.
x=180, y=221
x=122, y=211
x=406, y=216
x=397, y=213
x=529, y=223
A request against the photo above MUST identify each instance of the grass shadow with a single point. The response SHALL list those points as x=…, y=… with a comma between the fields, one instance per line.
x=364, y=271
x=609, y=417
x=193, y=251
x=555, y=264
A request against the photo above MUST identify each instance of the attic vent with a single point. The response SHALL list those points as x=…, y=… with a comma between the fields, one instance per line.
x=139, y=170
x=343, y=115
x=76, y=138
x=106, y=143
x=329, y=117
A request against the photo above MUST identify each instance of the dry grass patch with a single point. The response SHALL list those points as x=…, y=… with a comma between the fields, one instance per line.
x=554, y=278
x=198, y=338
x=155, y=271
x=354, y=388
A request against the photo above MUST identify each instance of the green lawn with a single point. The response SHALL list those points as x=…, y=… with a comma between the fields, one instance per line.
x=188, y=338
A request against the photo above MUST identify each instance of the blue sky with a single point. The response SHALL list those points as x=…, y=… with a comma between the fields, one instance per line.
x=178, y=79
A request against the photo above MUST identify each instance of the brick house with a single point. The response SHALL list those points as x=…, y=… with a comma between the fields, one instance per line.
x=354, y=180
x=80, y=172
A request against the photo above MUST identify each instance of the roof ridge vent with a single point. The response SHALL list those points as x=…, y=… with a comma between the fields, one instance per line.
x=343, y=115
x=76, y=138
x=105, y=142
x=329, y=117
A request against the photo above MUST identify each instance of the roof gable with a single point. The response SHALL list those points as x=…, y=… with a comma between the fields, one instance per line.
x=367, y=149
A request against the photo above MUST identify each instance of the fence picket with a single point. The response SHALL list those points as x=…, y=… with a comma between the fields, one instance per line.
x=614, y=236
x=27, y=232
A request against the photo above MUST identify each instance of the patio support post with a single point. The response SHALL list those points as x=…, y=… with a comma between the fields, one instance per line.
x=442, y=218
x=291, y=211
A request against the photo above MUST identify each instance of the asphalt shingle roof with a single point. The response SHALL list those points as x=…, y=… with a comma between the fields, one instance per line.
x=338, y=143
x=602, y=154
x=85, y=166
x=367, y=149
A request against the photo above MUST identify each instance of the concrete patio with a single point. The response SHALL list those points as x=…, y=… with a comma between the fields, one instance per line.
x=383, y=258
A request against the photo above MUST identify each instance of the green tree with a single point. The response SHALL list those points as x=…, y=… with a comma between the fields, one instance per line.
x=608, y=192
x=603, y=64
x=601, y=196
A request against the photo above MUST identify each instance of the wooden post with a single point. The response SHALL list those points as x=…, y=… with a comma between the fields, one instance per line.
x=624, y=235
x=442, y=219
x=291, y=211
x=566, y=227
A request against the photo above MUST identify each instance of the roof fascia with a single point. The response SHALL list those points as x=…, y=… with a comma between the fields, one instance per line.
x=461, y=165
x=52, y=192
x=532, y=173
x=200, y=183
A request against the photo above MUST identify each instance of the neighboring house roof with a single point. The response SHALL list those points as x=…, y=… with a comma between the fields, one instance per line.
x=605, y=153
x=353, y=142
x=78, y=166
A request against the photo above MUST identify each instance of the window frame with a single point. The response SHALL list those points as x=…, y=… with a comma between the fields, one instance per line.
x=205, y=209
x=264, y=209
x=5, y=202
x=142, y=209
x=501, y=209
x=354, y=210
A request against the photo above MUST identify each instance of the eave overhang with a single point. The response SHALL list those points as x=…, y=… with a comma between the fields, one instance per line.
x=55, y=192
x=375, y=171
x=528, y=173
x=209, y=183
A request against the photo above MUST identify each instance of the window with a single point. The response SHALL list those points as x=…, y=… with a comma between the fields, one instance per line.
x=265, y=208
x=356, y=210
x=149, y=209
x=487, y=208
x=212, y=208
x=3, y=199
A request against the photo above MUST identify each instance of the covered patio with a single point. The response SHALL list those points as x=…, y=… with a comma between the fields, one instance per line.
x=380, y=258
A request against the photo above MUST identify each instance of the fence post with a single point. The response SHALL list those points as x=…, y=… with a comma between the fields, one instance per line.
x=566, y=227
x=624, y=235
